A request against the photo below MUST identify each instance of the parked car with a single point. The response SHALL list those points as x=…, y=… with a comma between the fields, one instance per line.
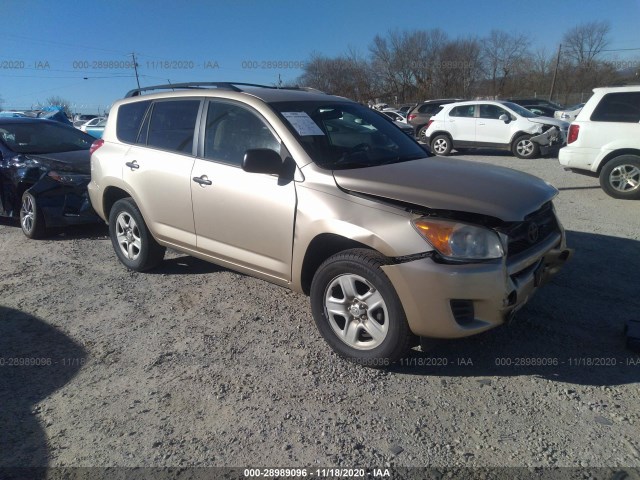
x=406, y=128
x=404, y=108
x=97, y=129
x=542, y=110
x=604, y=141
x=524, y=102
x=395, y=115
x=91, y=123
x=322, y=195
x=496, y=125
x=569, y=114
x=420, y=115
x=44, y=172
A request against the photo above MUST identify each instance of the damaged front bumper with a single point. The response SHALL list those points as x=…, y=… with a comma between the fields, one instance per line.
x=552, y=139
x=459, y=300
x=64, y=204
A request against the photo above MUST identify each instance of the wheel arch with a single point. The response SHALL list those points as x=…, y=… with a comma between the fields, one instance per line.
x=110, y=197
x=616, y=153
x=319, y=249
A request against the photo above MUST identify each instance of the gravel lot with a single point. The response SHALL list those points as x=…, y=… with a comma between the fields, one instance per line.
x=195, y=365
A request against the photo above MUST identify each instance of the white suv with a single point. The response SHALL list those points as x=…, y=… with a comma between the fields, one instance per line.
x=604, y=141
x=493, y=124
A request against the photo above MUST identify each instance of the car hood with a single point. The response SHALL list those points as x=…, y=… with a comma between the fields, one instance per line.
x=448, y=184
x=77, y=161
x=561, y=124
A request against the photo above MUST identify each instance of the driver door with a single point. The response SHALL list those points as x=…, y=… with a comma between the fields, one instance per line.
x=246, y=219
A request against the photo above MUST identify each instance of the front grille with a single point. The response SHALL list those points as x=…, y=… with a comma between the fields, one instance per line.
x=535, y=229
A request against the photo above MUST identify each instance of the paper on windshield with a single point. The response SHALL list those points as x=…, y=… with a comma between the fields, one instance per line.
x=303, y=123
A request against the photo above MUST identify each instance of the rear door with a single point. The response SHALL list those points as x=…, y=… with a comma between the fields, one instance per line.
x=158, y=169
x=246, y=219
x=461, y=124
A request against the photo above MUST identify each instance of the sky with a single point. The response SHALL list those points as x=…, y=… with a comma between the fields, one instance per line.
x=81, y=50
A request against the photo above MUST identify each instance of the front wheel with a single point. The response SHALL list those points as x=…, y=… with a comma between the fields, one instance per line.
x=31, y=217
x=523, y=147
x=133, y=243
x=620, y=177
x=357, y=310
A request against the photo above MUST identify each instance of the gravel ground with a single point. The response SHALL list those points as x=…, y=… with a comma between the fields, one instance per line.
x=195, y=365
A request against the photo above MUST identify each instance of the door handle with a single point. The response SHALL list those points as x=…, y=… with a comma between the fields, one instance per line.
x=202, y=180
x=133, y=165
x=480, y=123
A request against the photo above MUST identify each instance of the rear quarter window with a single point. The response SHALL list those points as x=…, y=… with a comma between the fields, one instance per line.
x=618, y=107
x=130, y=117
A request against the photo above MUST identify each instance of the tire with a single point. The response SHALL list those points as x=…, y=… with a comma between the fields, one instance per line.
x=620, y=177
x=134, y=245
x=357, y=310
x=31, y=217
x=441, y=145
x=422, y=134
x=523, y=147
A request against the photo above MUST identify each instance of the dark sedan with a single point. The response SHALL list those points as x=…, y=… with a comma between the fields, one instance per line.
x=44, y=172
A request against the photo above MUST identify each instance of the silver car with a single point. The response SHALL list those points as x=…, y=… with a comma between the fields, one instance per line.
x=323, y=196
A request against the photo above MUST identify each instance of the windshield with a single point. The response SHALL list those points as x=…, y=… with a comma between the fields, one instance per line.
x=523, y=112
x=43, y=137
x=347, y=135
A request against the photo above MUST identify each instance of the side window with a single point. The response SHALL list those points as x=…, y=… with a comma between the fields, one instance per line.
x=618, y=107
x=462, y=111
x=492, y=112
x=231, y=130
x=172, y=125
x=130, y=117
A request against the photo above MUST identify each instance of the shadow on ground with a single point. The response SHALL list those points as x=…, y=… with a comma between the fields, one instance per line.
x=572, y=331
x=36, y=359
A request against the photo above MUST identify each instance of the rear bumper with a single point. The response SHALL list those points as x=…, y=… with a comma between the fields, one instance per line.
x=579, y=158
x=491, y=293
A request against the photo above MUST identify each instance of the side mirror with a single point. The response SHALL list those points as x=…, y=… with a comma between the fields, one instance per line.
x=262, y=160
x=504, y=117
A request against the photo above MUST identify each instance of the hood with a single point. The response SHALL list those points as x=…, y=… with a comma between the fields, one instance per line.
x=561, y=124
x=448, y=184
x=77, y=161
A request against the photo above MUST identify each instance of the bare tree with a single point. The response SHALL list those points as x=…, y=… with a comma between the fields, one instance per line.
x=583, y=43
x=503, y=55
x=459, y=68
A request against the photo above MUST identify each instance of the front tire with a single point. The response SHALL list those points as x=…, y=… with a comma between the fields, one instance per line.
x=134, y=245
x=357, y=310
x=31, y=217
x=441, y=145
x=523, y=147
x=620, y=177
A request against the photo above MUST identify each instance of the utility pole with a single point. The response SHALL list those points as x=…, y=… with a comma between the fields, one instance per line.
x=555, y=73
x=135, y=67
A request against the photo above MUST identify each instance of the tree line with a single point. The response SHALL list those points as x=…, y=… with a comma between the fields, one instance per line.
x=410, y=66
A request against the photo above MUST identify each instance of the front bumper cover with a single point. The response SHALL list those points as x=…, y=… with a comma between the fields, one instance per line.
x=496, y=289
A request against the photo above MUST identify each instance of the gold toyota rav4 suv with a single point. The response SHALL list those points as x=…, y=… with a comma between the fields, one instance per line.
x=324, y=196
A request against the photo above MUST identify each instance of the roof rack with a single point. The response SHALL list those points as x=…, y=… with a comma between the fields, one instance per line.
x=233, y=86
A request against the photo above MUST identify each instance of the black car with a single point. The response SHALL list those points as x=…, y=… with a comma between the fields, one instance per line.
x=44, y=172
x=539, y=106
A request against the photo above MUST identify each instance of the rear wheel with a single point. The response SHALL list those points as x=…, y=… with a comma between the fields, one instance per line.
x=31, y=217
x=133, y=243
x=422, y=134
x=357, y=310
x=441, y=145
x=620, y=177
x=523, y=147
